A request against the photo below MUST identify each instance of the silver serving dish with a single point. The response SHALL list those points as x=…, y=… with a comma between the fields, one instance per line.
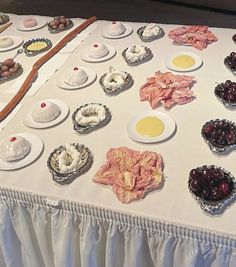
x=56, y=30
x=14, y=75
x=146, y=58
x=227, y=104
x=85, y=164
x=30, y=52
x=217, y=207
x=216, y=148
x=4, y=18
x=127, y=84
x=85, y=129
x=151, y=38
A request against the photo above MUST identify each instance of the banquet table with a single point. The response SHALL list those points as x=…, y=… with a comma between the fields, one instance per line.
x=45, y=224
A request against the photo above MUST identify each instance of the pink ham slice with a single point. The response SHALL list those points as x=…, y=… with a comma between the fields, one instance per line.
x=197, y=36
x=167, y=89
x=131, y=174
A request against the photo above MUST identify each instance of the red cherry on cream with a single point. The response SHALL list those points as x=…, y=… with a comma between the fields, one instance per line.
x=43, y=105
x=76, y=68
x=95, y=45
x=13, y=139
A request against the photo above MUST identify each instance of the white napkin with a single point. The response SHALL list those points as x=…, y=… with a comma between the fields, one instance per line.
x=10, y=116
x=45, y=72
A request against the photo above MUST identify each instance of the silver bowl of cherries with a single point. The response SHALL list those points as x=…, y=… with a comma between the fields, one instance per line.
x=226, y=93
x=213, y=187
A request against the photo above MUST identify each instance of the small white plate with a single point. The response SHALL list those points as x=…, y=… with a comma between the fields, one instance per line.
x=17, y=42
x=35, y=151
x=41, y=23
x=64, y=110
x=171, y=66
x=128, y=31
x=111, y=52
x=169, y=127
x=91, y=78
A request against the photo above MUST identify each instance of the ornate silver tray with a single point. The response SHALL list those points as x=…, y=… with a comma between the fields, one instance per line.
x=217, y=207
x=84, y=165
x=217, y=148
x=14, y=75
x=67, y=27
x=151, y=38
x=146, y=58
x=127, y=84
x=85, y=129
x=34, y=52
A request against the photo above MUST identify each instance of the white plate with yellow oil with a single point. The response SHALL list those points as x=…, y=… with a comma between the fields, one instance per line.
x=150, y=127
x=183, y=61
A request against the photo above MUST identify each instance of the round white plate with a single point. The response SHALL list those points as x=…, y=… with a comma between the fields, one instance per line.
x=28, y=120
x=35, y=151
x=91, y=78
x=17, y=42
x=169, y=127
x=41, y=23
x=111, y=52
x=128, y=31
x=170, y=57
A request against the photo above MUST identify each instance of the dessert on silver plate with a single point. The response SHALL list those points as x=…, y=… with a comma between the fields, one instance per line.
x=115, y=81
x=90, y=117
x=9, y=70
x=36, y=46
x=68, y=162
x=137, y=54
x=220, y=135
x=213, y=187
x=150, y=32
x=59, y=24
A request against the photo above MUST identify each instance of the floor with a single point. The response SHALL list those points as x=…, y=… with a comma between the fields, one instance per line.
x=126, y=10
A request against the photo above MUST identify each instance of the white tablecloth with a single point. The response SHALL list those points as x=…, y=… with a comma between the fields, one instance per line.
x=83, y=224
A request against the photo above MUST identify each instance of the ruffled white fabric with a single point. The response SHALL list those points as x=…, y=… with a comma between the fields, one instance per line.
x=40, y=233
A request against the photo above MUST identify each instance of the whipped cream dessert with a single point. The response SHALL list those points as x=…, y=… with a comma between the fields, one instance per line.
x=6, y=42
x=135, y=53
x=97, y=50
x=90, y=114
x=152, y=30
x=30, y=22
x=75, y=76
x=68, y=159
x=45, y=111
x=115, y=28
x=114, y=80
x=14, y=148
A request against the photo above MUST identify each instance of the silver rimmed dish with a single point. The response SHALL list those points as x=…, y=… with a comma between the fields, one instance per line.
x=36, y=46
x=57, y=30
x=148, y=55
x=85, y=129
x=213, y=145
x=128, y=82
x=215, y=207
x=84, y=164
x=13, y=75
x=152, y=37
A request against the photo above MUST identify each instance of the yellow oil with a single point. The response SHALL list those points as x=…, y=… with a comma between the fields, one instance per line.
x=150, y=126
x=183, y=61
x=37, y=46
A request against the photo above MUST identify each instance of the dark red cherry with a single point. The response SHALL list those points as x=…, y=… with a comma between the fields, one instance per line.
x=76, y=68
x=224, y=188
x=195, y=185
x=206, y=193
x=194, y=173
x=95, y=45
x=217, y=174
x=43, y=105
x=13, y=139
x=208, y=128
x=230, y=97
x=216, y=193
x=230, y=138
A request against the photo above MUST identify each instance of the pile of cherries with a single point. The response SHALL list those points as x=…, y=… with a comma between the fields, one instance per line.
x=226, y=91
x=230, y=61
x=210, y=183
x=8, y=68
x=220, y=133
x=59, y=23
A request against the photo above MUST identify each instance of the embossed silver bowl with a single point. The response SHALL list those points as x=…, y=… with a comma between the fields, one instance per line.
x=146, y=57
x=57, y=30
x=14, y=75
x=127, y=84
x=85, y=163
x=218, y=206
x=85, y=129
x=219, y=149
x=32, y=52
x=151, y=38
